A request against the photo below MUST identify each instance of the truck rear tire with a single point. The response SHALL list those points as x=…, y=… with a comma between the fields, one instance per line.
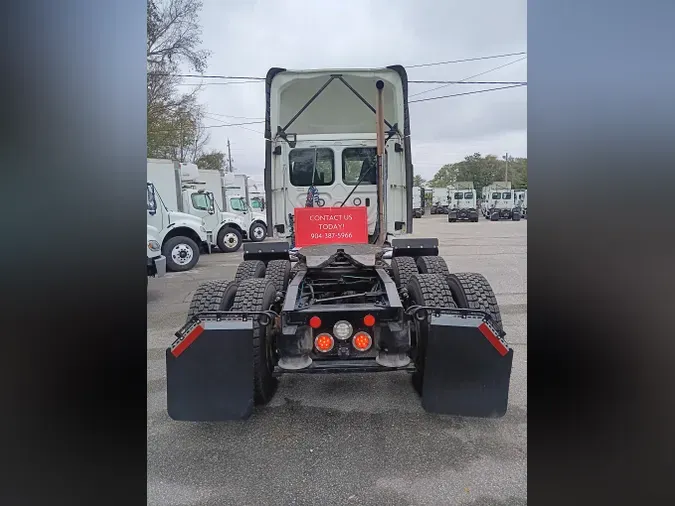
x=229, y=240
x=432, y=265
x=249, y=269
x=279, y=273
x=403, y=268
x=212, y=296
x=259, y=295
x=472, y=291
x=425, y=290
x=258, y=232
x=181, y=253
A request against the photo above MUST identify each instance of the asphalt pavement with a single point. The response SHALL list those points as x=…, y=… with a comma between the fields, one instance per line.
x=356, y=439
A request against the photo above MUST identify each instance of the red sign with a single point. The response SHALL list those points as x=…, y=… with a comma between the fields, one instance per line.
x=330, y=225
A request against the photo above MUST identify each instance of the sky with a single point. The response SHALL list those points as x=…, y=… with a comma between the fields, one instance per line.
x=248, y=37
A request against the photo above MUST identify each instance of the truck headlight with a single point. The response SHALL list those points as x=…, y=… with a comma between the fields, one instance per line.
x=153, y=245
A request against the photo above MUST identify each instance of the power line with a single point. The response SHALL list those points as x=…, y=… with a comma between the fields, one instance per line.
x=413, y=81
x=239, y=125
x=236, y=117
x=472, y=76
x=419, y=65
x=210, y=126
x=479, y=58
x=207, y=76
x=466, y=93
x=464, y=82
x=219, y=83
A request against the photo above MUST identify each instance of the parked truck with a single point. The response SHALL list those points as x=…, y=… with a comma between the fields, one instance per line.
x=363, y=297
x=187, y=192
x=439, y=202
x=181, y=236
x=462, y=202
x=256, y=193
x=418, y=202
x=503, y=203
x=521, y=195
x=231, y=199
x=238, y=200
x=156, y=262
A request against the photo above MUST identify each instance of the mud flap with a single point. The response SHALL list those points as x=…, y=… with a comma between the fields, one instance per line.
x=467, y=368
x=209, y=372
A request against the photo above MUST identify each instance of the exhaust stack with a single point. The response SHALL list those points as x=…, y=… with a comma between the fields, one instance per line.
x=379, y=114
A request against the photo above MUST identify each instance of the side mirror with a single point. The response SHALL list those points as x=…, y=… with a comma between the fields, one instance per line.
x=152, y=200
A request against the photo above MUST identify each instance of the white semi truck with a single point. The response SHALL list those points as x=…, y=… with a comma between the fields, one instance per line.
x=502, y=202
x=156, y=262
x=439, y=201
x=418, y=201
x=462, y=202
x=341, y=307
x=187, y=190
x=180, y=235
x=521, y=195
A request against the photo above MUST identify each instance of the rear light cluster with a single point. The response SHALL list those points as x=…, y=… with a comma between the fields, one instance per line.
x=343, y=331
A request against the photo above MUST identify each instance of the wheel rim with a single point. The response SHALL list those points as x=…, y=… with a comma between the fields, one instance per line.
x=231, y=239
x=258, y=232
x=182, y=254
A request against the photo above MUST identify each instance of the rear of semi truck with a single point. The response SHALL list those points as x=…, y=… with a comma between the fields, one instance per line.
x=338, y=177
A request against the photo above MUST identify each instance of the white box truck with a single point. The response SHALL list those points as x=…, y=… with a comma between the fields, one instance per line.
x=156, y=262
x=238, y=201
x=180, y=235
x=189, y=194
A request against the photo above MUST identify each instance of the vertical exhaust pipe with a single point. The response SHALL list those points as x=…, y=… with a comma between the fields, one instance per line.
x=382, y=235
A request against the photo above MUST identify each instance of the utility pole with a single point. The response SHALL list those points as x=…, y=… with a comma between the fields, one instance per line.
x=506, y=170
x=229, y=156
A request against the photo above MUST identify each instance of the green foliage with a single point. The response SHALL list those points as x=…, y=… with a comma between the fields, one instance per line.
x=482, y=170
x=214, y=160
x=418, y=180
x=174, y=120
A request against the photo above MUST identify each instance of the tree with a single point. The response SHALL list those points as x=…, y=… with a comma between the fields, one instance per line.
x=482, y=171
x=174, y=120
x=215, y=160
x=419, y=180
x=444, y=177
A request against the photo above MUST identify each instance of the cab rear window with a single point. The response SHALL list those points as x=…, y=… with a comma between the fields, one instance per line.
x=310, y=166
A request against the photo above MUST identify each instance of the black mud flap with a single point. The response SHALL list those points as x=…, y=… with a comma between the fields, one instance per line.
x=209, y=372
x=467, y=368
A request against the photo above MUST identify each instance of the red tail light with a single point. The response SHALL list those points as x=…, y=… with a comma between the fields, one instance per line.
x=324, y=342
x=362, y=341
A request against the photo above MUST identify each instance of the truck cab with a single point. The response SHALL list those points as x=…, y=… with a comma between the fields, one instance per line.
x=156, y=262
x=180, y=235
x=522, y=202
x=462, y=205
x=418, y=202
x=326, y=154
x=504, y=205
x=238, y=201
x=228, y=228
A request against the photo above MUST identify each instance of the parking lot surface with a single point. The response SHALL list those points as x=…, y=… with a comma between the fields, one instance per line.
x=347, y=439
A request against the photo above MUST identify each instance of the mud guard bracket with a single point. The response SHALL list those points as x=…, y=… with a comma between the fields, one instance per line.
x=209, y=372
x=467, y=368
